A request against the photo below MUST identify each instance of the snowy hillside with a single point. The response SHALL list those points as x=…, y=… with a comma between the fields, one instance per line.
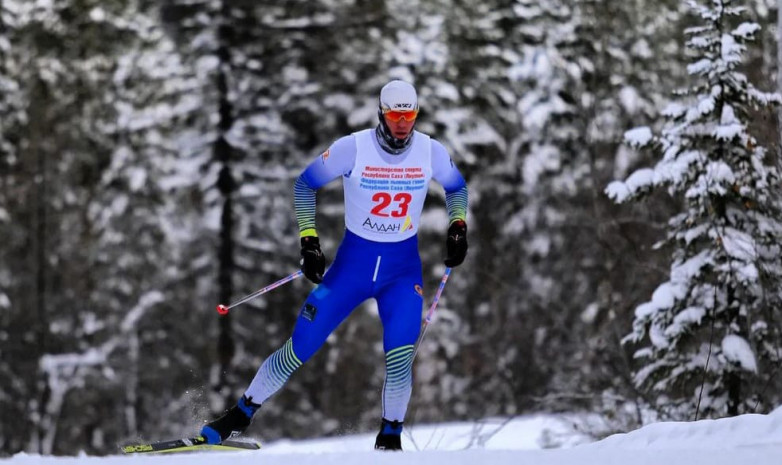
x=749, y=439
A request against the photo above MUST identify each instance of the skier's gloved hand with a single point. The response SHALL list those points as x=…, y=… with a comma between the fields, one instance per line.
x=313, y=263
x=456, y=243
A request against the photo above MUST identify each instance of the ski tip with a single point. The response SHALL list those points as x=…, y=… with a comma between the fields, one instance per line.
x=239, y=444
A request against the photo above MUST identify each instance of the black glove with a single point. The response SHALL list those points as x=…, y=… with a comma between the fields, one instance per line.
x=313, y=263
x=456, y=243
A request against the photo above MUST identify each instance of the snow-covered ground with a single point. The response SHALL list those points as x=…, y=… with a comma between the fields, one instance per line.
x=748, y=439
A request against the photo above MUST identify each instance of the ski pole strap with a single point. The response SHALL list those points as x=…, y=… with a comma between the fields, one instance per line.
x=222, y=309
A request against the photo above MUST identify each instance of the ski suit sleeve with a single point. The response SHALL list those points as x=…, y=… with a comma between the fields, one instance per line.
x=338, y=160
x=445, y=172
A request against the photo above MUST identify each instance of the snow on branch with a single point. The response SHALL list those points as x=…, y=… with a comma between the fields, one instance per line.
x=745, y=30
x=639, y=137
x=700, y=67
x=620, y=191
x=739, y=245
x=736, y=349
x=664, y=298
x=729, y=126
x=731, y=50
x=764, y=98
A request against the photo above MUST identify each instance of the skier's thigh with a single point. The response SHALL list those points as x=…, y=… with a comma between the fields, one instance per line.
x=400, y=305
x=326, y=307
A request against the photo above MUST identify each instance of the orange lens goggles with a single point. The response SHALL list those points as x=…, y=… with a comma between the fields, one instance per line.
x=396, y=116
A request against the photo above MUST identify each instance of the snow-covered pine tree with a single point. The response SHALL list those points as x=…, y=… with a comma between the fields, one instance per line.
x=709, y=337
x=11, y=112
x=84, y=143
x=11, y=116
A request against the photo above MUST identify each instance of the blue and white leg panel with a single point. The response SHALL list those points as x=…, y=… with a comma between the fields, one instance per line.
x=274, y=373
x=399, y=382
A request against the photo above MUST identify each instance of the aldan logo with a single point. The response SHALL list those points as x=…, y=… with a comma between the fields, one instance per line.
x=380, y=227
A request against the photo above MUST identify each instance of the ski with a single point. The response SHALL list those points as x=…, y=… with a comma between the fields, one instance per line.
x=188, y=445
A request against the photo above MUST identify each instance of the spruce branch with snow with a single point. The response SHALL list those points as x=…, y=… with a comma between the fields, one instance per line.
x=707, y=347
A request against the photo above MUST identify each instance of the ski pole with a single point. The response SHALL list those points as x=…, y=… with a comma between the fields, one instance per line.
x=223, y=310
x=432, y=308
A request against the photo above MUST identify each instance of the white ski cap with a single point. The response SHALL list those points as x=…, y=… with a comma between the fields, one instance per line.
x=398, y=95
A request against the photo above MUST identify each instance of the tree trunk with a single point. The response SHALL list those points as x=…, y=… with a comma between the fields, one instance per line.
x=779, y=67
x=733, y=381
x=40, y=193
x=131, y=388
x=226, y=184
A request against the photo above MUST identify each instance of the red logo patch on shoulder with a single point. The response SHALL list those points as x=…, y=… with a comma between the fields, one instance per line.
x=325, y=156
x=419, y=290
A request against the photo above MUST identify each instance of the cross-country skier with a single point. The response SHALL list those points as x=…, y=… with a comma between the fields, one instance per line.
x=385, y=173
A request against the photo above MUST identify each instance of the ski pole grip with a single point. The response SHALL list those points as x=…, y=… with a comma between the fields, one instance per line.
x=222, y=309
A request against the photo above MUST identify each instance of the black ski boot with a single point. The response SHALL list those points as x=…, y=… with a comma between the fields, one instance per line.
x=232, y=423
x=390, y=436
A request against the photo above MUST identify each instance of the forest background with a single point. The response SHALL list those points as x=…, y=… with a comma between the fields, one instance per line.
x=148, y=150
